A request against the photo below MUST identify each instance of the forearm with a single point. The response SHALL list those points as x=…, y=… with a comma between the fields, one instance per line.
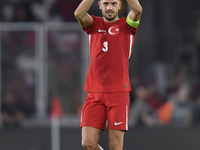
x=83, y=8
x=136, y=9
x=135, y=6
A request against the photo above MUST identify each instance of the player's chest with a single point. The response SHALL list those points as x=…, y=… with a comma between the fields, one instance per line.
x=109, y=31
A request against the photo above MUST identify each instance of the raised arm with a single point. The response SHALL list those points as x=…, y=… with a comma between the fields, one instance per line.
x=136, y=10
x=81, y=14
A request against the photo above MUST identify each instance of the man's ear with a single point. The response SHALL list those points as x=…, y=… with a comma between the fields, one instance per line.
x=99, y=2
x=120, y=5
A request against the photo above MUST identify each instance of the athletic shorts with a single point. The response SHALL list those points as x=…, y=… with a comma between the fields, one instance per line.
x=111, y=106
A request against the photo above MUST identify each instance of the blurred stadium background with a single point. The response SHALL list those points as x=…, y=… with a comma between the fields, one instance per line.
x=44, y=60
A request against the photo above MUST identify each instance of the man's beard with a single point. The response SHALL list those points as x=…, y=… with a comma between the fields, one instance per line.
x=110, y=19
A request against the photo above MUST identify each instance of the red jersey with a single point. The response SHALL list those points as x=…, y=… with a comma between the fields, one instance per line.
x=110, y=49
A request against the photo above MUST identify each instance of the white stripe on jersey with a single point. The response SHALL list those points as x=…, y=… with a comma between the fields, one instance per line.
x=131, y=42
x=89, y=36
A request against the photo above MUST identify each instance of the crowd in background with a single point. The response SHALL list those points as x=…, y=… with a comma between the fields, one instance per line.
x=168, y=96
x=20, y=70
x=44, y=10
x=178, y=106
x=37, y=10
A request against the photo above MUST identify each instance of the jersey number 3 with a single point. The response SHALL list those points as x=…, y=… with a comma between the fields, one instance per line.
x=105, y=44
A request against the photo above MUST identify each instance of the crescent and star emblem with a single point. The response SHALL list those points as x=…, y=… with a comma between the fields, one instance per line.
x=114, y=30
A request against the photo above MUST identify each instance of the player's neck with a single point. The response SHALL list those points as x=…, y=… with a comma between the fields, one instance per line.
x=111, y=21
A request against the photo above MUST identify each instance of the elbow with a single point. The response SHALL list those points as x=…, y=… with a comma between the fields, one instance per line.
x=139, y=10
x=76, y=14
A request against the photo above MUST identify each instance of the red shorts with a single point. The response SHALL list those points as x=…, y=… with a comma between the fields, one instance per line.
x=99, y=107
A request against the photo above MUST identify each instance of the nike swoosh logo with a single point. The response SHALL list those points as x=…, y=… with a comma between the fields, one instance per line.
x=118, y=123
x=101, y=30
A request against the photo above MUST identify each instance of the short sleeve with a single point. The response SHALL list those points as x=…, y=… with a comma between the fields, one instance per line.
x=89, y=30
x=131, y=29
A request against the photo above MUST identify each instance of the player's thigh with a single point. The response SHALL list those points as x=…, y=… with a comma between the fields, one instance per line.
x=94, y=112
x=90, y=135
x=118, y=111
x=116, y=138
